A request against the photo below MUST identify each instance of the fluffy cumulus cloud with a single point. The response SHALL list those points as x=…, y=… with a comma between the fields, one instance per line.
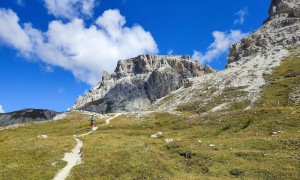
x=221, y=44
x=11, y=32
x=1, y=109
x=241, y=15
x=70, y=9
x=85, y=51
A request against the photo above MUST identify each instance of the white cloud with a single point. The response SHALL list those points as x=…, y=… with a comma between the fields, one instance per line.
x=1, y=109
x=112, y=23
x=221, y=44
x=241, y=16
x=11, y=32
x=85, y=51
x=70, y=9
x=170, y=51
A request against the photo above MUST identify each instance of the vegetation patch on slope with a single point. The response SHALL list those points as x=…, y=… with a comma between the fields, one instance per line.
x=283, y=85
x=231, y=95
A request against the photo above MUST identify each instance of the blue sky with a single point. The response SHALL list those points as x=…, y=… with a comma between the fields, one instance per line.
x=52, y=51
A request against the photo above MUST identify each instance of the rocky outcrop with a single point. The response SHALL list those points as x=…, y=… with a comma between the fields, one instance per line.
x=284, y=8
x=281, y=30
x=26, y=115
x=138, y=82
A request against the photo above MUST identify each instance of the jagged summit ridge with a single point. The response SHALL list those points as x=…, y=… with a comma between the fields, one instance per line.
x=144, y=64
x=137, y=82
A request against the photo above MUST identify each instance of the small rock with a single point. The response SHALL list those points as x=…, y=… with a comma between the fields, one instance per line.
x=199, y=141
x=212, y=145
x=43, y=136
x=168, y=140
x=54, y=163
x=156, y=134
x=94, y=128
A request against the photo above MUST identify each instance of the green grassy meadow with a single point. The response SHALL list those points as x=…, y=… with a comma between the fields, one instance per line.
x=253, y=144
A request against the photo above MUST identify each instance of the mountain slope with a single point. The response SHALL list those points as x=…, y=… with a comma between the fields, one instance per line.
x=282, y=87
x=249, y=61
x=26, y=115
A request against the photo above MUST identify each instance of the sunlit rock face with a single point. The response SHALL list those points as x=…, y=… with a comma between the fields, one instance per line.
x=284, y=8
x=138, y=82
x=281, y=29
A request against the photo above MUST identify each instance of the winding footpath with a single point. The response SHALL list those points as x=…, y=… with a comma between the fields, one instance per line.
x=74, y=158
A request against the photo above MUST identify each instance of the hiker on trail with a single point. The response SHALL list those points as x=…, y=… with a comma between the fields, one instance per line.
x=92, y=121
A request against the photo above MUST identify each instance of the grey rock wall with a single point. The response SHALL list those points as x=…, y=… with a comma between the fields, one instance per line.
x=281, y=30
x=284, y=8
x=138, y=82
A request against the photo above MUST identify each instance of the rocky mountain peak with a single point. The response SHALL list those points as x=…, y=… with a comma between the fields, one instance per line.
x=284, y=8
x=137, y=82
x=144, y=64
x=281, y=30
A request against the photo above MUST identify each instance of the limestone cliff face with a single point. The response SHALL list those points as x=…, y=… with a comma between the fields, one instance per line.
x=138, y=82
x=281, y=30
